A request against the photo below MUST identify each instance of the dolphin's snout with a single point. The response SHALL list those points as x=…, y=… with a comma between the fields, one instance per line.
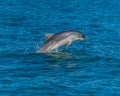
x=82, y=38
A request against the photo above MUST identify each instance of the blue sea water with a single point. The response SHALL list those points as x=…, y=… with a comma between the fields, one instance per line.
x=86, y=68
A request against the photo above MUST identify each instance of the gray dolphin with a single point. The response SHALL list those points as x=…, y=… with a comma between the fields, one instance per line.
x=57, y=40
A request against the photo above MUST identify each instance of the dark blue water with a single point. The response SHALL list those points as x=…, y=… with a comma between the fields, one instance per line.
x=86, y=68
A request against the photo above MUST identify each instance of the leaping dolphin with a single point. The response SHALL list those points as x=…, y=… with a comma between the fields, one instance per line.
x=54, y=41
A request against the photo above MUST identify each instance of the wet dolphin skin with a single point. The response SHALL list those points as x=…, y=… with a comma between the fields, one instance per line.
x=57, y=40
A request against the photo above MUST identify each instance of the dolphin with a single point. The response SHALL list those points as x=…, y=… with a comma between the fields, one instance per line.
x=54, y=41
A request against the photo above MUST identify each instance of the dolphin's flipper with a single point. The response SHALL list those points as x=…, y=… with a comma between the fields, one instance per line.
x=49, y=35
x=69, y=43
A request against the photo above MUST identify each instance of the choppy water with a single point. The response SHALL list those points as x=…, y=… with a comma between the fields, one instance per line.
x=90, y=67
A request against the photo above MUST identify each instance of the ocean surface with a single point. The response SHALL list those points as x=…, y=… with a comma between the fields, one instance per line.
x=85, y=68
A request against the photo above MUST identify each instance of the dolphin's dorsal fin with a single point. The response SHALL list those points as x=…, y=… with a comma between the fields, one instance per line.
x=49, y=35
